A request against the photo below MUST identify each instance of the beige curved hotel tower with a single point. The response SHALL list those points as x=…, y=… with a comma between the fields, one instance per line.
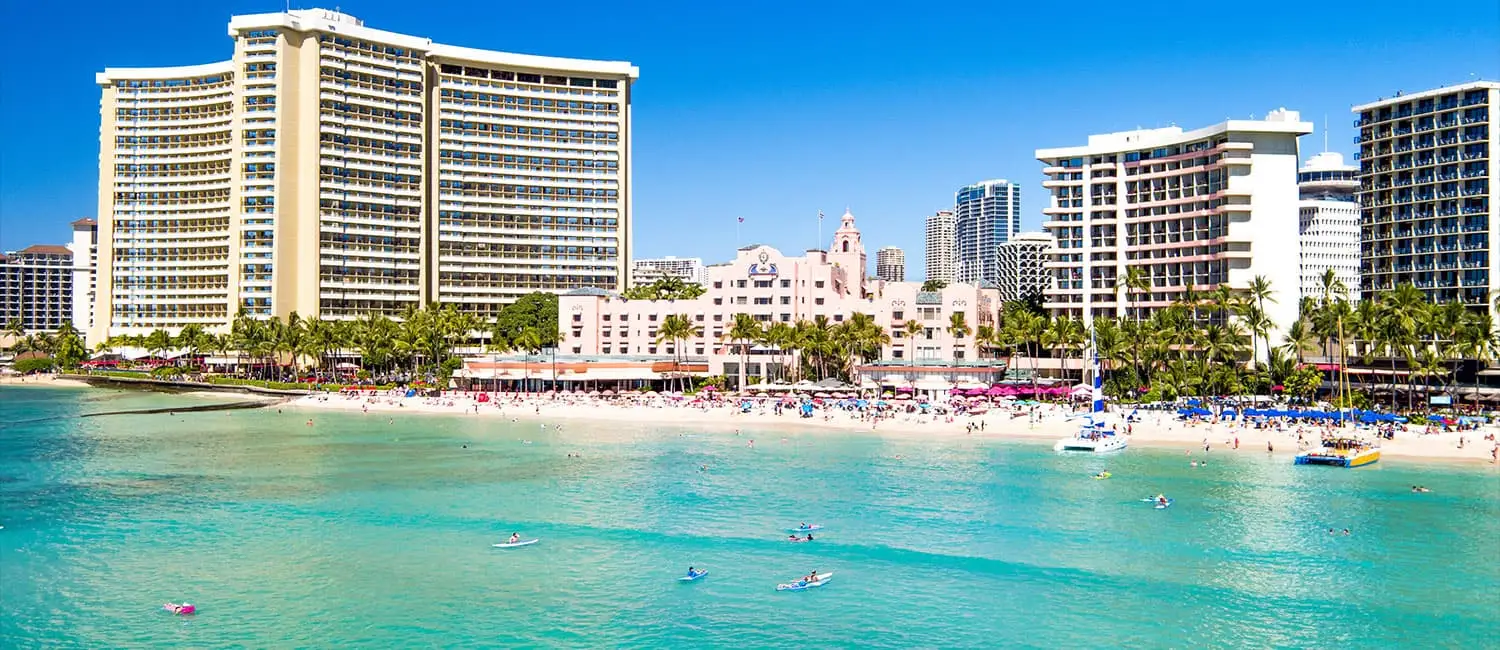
x=337, y=170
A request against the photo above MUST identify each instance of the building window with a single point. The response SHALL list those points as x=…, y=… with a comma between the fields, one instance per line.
x=739, y=283
x=698, y=318
x=762, y=301
x=895, y=354
x=786, y=284
x=718, y=284
x=718, y=301
x=653, y=318
x=898, y=315
x=651, y=350
x=817, y=301
x=786, y=300
x=958, y=355
x=606, y=349
x=838, y=318
x=762, y=284
x=606, y=318
x=786, y=318
x=718, y=318
x=577, y=350
x=818, y=284
x=578, y=318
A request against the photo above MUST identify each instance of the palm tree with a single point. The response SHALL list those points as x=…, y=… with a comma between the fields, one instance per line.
x=69, y=347
x=1135, y=281
x=677, y=328
x=985, y=339
x=1479, y=342
x=158, y=342
x=1260, y=293
x=1405, y=311
x=744, y=331
x=1297, y=338
x=958, y=326
x=1332, y=287
x=860, y=339
x=192, y=338
x=16, y=330
x=781, y=336
x=529, y=341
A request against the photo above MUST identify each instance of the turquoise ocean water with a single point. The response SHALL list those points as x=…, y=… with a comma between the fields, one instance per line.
x=359, y=532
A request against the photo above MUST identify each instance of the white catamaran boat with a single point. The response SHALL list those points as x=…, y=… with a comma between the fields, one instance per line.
x=1094, y=436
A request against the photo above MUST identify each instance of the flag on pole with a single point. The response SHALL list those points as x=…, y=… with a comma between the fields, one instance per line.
x=742, y=220
x=820, y=215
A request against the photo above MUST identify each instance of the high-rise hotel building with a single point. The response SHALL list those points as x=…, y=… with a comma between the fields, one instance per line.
x=985, y=215
x=337, y=170
x=942, y=263
x=1328, y=225
x=1427, y=178
x=1190, y=209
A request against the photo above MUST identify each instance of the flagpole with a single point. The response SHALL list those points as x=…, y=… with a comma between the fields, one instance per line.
x=820, y=231
x=737, y=223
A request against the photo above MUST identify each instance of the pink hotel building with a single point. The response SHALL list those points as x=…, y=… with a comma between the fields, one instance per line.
x=773, y=287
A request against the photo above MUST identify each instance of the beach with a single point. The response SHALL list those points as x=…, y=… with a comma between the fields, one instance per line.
x=41, y=380
x=1044, y=422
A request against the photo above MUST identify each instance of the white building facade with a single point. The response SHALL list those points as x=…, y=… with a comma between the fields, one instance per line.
x=775, y=288
x=1328, y=224
x=1022, y=266
x=1191, y=209
x=941, y=258
x=689, y=269
x=890, y=264
x=85, y=249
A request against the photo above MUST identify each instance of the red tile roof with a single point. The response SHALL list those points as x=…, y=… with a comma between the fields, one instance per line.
x=86, y=221
x=47, y=249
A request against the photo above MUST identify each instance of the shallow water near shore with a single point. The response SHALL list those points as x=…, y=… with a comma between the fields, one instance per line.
x=373, y=530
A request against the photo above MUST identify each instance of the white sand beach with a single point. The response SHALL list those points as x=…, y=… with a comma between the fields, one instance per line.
x=1043, y=423
x=41, y=380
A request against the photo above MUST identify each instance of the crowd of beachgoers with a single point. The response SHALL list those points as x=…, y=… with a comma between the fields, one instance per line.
x=1287, y=431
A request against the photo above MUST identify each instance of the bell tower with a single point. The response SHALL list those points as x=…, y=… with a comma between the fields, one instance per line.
x=848, y=253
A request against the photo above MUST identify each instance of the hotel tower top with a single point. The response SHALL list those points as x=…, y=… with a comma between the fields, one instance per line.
x=337, y=170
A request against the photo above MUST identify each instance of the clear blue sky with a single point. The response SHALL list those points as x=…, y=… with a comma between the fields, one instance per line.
x=777, y=112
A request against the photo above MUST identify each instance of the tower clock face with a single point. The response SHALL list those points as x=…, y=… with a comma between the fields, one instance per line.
x=764, y=257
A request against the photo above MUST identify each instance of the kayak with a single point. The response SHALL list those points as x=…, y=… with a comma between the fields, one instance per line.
x=1102, y=475
x=181, y=610
x=808, y=529
x=524, y=542
x=1164, y=506
x=803, y=585
x=693, y=577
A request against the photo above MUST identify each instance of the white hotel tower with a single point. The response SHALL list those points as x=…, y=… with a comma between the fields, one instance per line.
x=1328, y=223
x=336, y=170
x=1202, y=208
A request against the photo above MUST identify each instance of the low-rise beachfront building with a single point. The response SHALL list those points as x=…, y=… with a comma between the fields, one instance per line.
x=773, y=287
